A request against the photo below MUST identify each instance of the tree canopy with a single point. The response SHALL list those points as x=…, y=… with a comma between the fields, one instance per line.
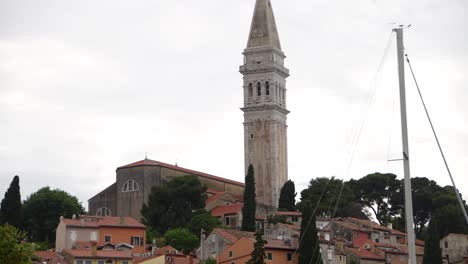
x=181, y=239
x=42, y=211
x=171, y=205
x=203, y=220
x=12, y=250
x=432, y=251
x=249, y=208
x=328, y=189
x=258, y=254
x=11, y=208
x=309, y=249
x=287, y=200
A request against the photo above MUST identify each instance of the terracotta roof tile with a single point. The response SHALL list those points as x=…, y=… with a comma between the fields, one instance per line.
x=364, y=254
x=288, y=213
x=82, y=253
x=233, y=235
x=227, y=209
x=148, y=162
x=105, y=221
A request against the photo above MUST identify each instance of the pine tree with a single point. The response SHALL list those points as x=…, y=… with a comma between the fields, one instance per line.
x=432, y=251
x=309, y=249
x=10, y=210
x=258, y=254
x=287, y=200
x=249, y=209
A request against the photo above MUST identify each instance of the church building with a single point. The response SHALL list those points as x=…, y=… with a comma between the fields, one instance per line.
x=265, y=133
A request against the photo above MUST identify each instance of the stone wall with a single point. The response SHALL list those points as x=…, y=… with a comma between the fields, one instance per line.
x=106, y=198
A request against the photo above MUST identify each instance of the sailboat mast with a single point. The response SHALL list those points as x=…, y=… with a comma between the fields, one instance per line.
x=406, y=161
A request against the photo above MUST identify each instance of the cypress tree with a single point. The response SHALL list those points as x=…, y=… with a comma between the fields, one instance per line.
x=309, y=248
x=287, y=200
x=258, y=254
x=249, y=208
x=10, y=208
x=432, y=251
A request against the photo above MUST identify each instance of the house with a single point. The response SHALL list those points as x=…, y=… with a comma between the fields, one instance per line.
x=230, y=215
x=392, y=253
x=277, y=252
x=95, y=256
x=455, y=248
x=47, y=257
x=364, y=256
x=167, y=255
x=220, y=198
x=292, y=217
x=109, y=233
x=218, y=241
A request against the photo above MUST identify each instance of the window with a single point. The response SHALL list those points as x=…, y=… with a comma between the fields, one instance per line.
x=88, y=261
x=269, y=256
x=250, y=89
x=230, y=254
x=289, y=256
x=130, y=186
x=107, y=239
x=259, y=89
x=227, y=220
x=295, y=218
x=136, y=241
x=79, y=261
x=267, y=88
x=124, y=261
x=103, y=211
x=446, y=244
x=101, y=262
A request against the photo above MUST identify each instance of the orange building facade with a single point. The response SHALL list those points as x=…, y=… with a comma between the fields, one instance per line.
x=116, y=231
x=277, y=252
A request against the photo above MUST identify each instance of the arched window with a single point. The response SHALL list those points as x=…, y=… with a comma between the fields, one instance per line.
x=130, y=186
x=250, y=89
x=103, y=211
x=259, y=89
x=267, y=88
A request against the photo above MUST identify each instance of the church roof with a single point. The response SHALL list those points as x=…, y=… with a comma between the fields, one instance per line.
x=148, y=162
x=263, y=31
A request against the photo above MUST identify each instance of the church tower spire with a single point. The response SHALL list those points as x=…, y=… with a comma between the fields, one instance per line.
x=265, y=129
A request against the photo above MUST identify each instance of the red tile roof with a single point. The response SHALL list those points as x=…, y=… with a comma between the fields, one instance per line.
x=51, y=257
x=233, y=235
x=148, y=162
x=87, y=253
x=167, y=250
x=105, y=221
x=214, y=197
x=288, y=213
x=364, y=254
x=227, y=209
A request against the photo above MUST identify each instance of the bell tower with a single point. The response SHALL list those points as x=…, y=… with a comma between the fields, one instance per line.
x=265, y=129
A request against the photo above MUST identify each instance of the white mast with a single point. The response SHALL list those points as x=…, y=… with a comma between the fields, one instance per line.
x=404, y=132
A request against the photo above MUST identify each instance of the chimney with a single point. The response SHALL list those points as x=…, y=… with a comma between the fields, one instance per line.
x=390, y=225
x=93, y=248
x=122, y=220
x=82, y=222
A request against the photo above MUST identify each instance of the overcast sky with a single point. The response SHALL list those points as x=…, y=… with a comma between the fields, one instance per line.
x=87, y=86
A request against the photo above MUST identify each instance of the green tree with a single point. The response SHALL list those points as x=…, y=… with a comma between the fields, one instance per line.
x=287, y=200
x=325, y=192
x=249, y=208
x=258, y=254
x=171, y=205
x=42, y=211
x=10, y=209
x=203, y=220
x=309, y=249
x=432, y=251
x=210, y=261
x=12, y=250
x=376, y=192
x=181, y=239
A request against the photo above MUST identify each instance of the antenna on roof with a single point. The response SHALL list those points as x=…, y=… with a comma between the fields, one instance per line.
x=146, y=155
x=176, y=163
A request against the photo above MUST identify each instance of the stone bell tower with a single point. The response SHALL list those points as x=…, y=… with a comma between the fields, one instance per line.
x=265, y=129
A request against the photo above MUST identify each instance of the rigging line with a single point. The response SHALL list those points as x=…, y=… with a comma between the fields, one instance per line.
x=438, y=143
x=313, y=213
x=357, y=136
x=330, y=216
